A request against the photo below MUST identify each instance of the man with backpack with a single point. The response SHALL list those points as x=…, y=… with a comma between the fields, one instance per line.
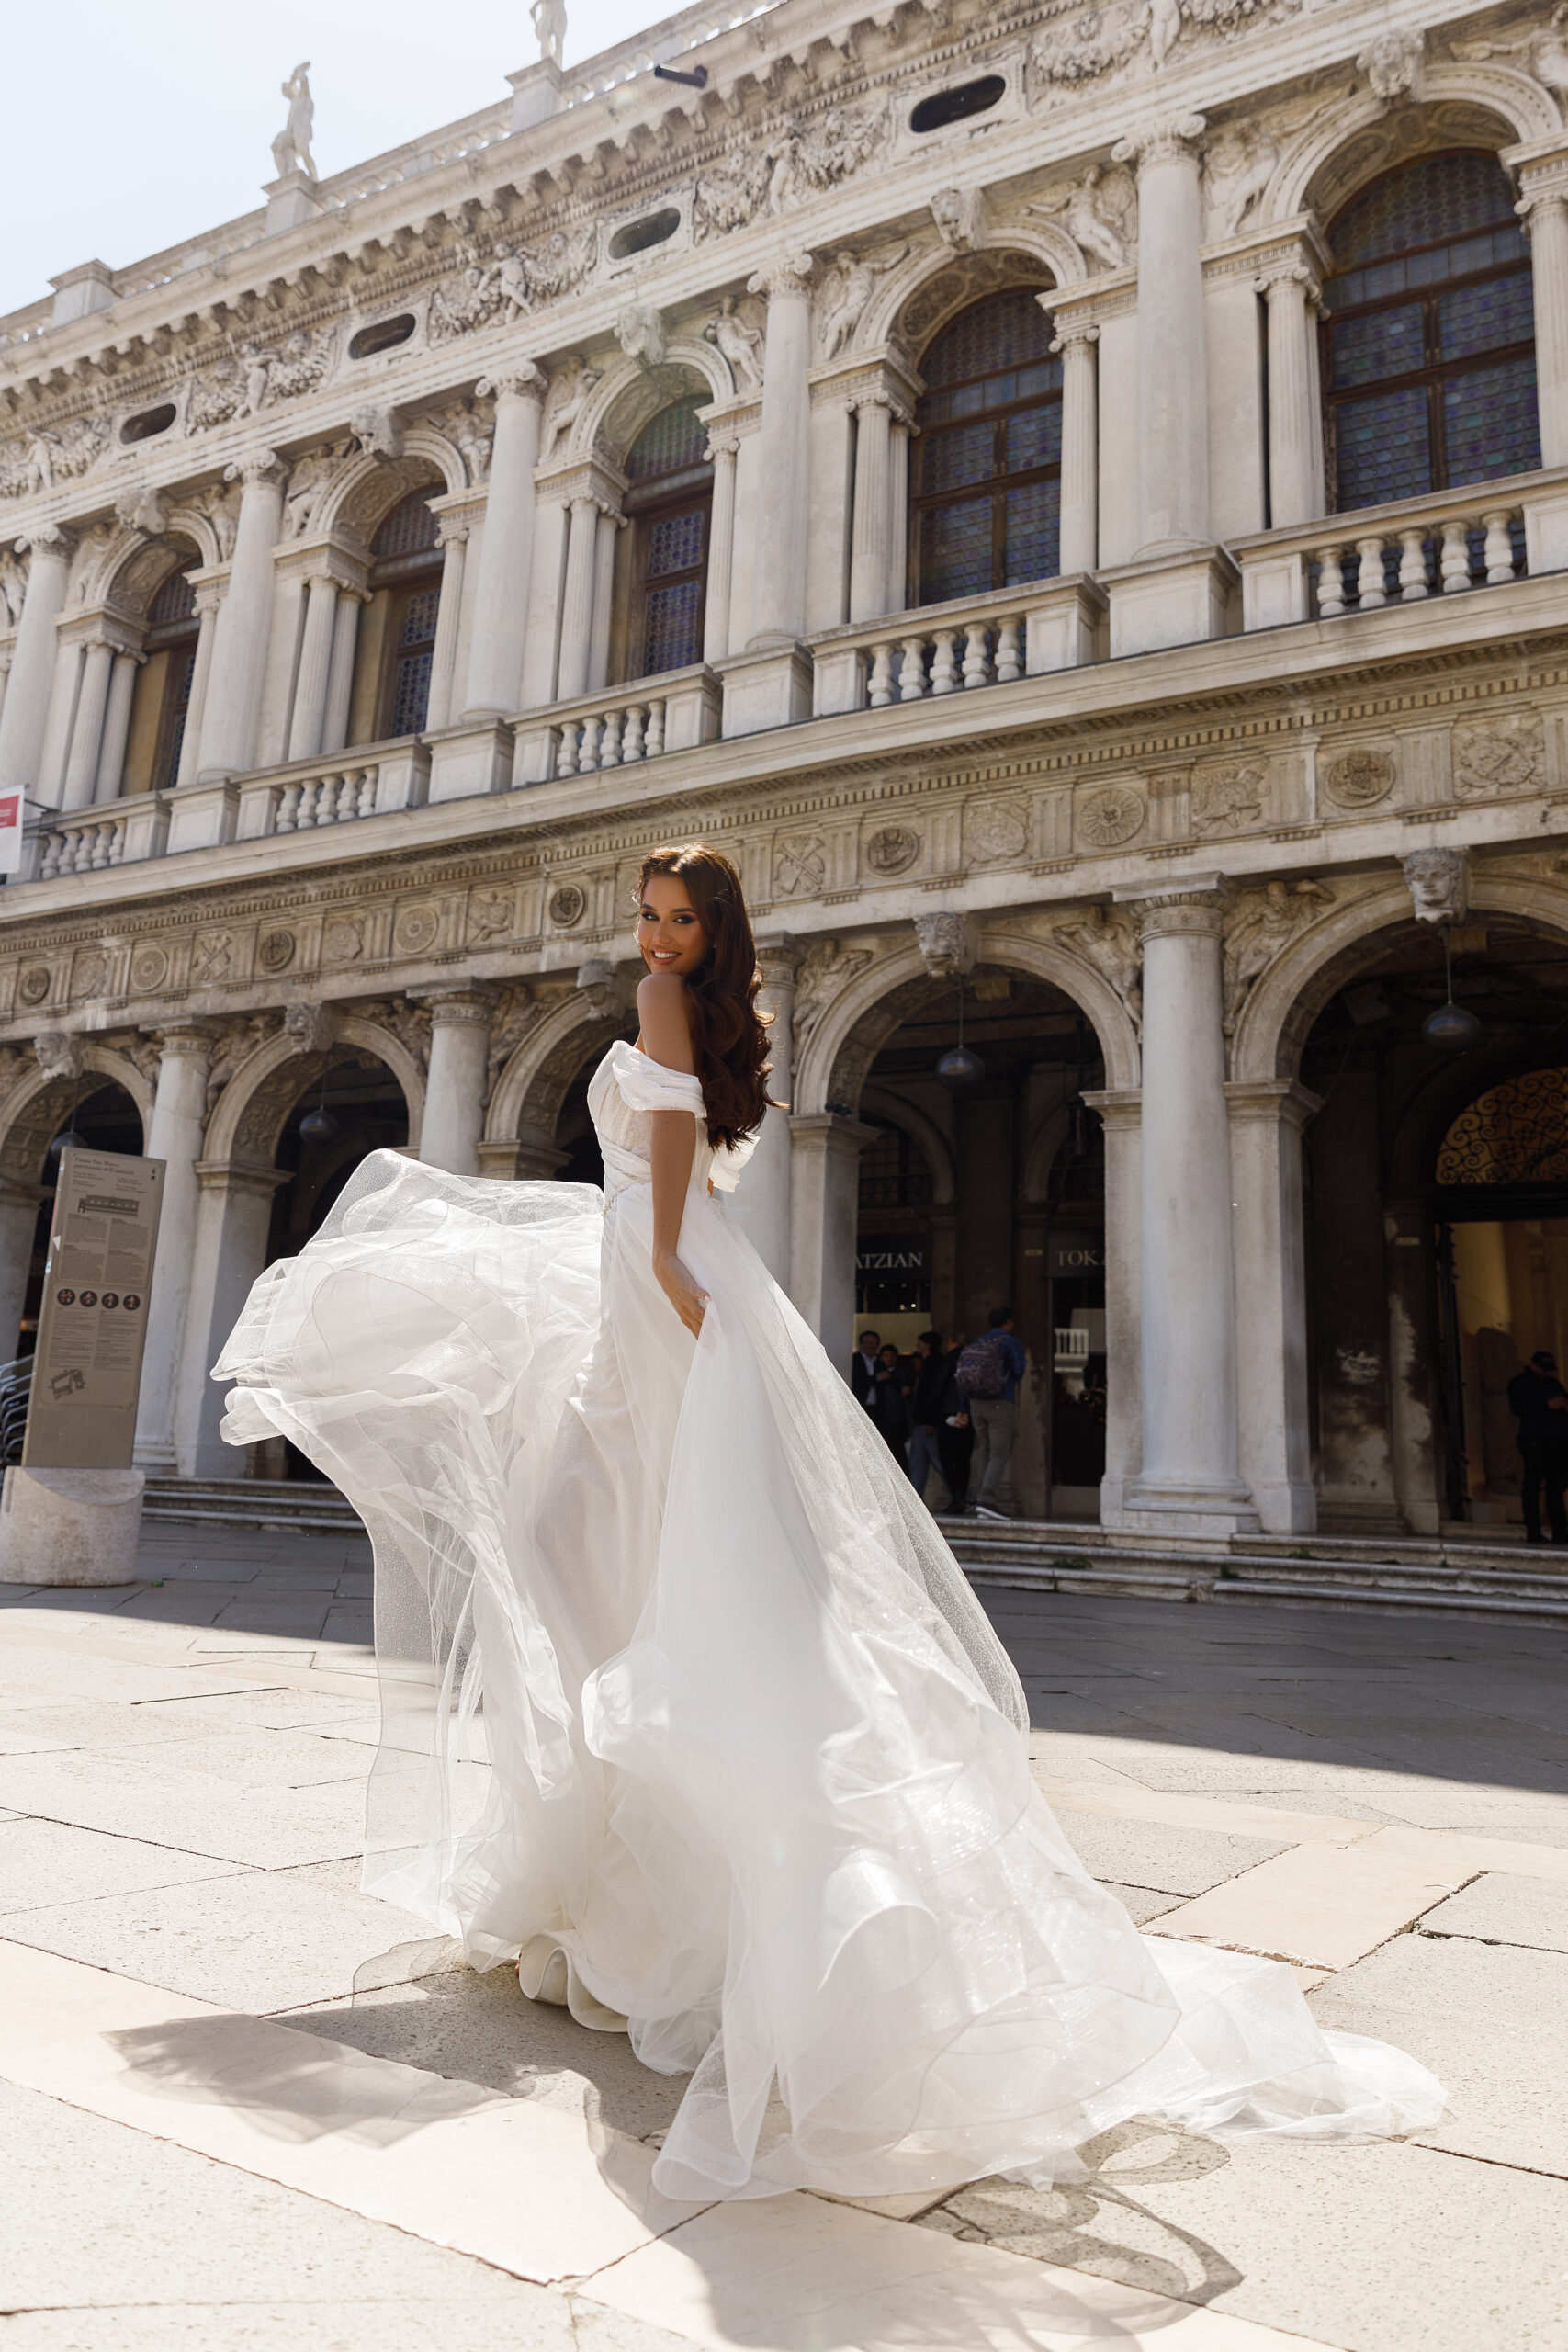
x=989, y=1373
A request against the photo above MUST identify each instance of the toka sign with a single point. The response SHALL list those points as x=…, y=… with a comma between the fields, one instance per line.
x=93, y=1326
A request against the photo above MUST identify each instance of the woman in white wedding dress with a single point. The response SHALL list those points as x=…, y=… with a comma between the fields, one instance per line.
x=757, y=1788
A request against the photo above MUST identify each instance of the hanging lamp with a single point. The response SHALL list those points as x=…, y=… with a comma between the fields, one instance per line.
x=958, y=1068
x=1453, y=1028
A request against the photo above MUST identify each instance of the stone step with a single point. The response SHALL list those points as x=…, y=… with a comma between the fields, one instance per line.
x=311, y=1507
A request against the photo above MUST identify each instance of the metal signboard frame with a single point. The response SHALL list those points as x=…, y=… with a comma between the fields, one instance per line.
x=92, y=1325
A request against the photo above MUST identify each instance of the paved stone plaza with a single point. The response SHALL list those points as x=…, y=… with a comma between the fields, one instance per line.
x=246, y=2105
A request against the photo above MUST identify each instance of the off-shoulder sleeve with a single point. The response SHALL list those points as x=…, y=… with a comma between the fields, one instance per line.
x=647, y=1086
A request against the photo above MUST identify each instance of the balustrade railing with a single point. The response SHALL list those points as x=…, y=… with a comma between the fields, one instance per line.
x=329, y=799
x=617, y=739
x=82, y=842
x=1380, y=566
x=674, y=712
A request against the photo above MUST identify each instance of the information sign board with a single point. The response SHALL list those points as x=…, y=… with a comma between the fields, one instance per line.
x=92, y=1325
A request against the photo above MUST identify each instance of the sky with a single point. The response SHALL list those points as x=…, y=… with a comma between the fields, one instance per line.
x=129, y=128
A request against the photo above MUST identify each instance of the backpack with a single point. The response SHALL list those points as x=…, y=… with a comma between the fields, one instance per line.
x=983, y=1369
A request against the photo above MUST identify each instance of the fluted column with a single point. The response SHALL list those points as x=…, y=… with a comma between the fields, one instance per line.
x=229, y=1252
x=500, y=595
x=87, y=731
x=454, y=530
x=308, y=723
x=1268, y=1240
x=603, y=595
x=173, y=1136
x=1080, y=541
x=762, y=1197
x=340, y=684
x=1545, y=213
x=231, y=714
x=457, y=1080
x=898, y=516
x=577, y=597
x=117, y=726
x=778, y=595
x=870, y=545
x=1294, y=494
x=26, y=713
x=208, y=601
x=1173, y=402
x=722, y=451
x=1190, y=1471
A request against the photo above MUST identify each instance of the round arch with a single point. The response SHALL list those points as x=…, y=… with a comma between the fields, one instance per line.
x=252, y=1109
x=916, y=300
x=365, y=492
x=629, y=396
x=145, y=566
x=876, y=1102
x=1288, y=998
x=838, y=1054
x=39, y=1105
x=525, y=1101
x=1480, y=104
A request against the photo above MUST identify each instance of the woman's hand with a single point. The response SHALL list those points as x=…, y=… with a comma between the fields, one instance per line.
x=688, y=1301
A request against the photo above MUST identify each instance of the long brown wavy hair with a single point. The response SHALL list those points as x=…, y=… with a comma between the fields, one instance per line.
x=729, y=1037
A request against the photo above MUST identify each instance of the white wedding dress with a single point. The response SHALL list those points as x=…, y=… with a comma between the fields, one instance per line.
x=758, y=1786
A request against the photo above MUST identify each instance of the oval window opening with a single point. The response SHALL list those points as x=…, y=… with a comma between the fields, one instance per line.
x=384, y=335
x=954, y=106
x=637, y=235
x=151, y=421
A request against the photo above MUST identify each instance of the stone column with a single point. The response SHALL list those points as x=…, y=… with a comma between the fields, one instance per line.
x=19, y=1205
x=1295, y=492
x=1190, y=1472
x=1545, y=211
x=1076, y=340
x=1414, y=1356
x=721, y=450
x=1173, y=402
x=576, y=598
x=173, y=1136
x=26, y=713
x=208, y=601
x=870, y=545
x=233, y=1219
x=898, y=516
x=825, y=1150
x=457, y=1081
x=603, y=596
x=762, y=1197
x=1269, y=1242
x=340, y=682
x=500, y=597
x=778, y=594
x=308, y=723
x=87, y=731
x=117, y=726
x=454, y=530
x=1123, y=1114
x=231, y=714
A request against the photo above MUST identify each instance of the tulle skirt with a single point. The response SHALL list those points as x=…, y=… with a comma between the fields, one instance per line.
x=686, y=1702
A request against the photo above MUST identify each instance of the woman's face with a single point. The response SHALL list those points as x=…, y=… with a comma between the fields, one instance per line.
x=671, y=934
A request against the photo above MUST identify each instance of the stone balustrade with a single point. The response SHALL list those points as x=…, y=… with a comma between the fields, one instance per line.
x=82, y=842
x=955, y=648
x=1405, y=552
x=308, y=794
x=674, y=712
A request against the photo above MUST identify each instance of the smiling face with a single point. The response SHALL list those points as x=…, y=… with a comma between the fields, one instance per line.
x=671, y=934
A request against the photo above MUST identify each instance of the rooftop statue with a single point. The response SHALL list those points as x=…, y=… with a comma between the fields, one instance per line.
x=291, y=148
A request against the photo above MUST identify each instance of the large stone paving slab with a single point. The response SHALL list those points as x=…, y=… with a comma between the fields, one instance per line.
x=1168, y=1860
x=51, y=1862
x=1502, y=1909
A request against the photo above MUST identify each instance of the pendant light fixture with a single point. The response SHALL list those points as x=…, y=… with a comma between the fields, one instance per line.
x=1453, y=1028
x=318, y=1126
x=958, y=1068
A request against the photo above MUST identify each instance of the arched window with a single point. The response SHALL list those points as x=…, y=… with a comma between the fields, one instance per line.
x=172, y=629
x=669, y=504
x=405, y=584
x=987, y=487
x=1429, y=343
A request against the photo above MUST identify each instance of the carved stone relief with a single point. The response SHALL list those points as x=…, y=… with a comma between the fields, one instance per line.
x=1505, y=753
x=1358, y=779
x=1230, y=796
x=892, y=851
x=567, y=904
x=825, y=969
x=1259, y=925
x=996, y=831
x=1107, y=937
x=416, y=928
x=800, y=865
x=1109, y=815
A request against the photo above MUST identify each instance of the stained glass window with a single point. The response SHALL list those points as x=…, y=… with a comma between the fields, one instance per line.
x=986, y=493
x=171, y=633
x=406, y=570
x=1429, y=337
x=409, y=529
x=412, y=663
x=669, y=502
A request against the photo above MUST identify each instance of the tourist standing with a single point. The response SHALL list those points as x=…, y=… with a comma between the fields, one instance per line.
x=925, y=1409
x=1539, y=1399
x=989, y=1373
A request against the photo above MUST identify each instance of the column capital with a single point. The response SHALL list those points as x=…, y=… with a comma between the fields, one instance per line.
x=789, y=275
x=1268, y=1099
x=1197, y=911
x=46, y=539
x=1164, y=142
x=1121, y=1108
x=190, y=1035
x=458, y=1003
x=230, y=1176
x=722, y=445
x=1284, y=276
x=779, y=959
x=262, y=466
x=1073, y=332
x=520, y=379
x=452, y=530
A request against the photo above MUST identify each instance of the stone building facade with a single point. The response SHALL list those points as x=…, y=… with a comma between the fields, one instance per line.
x=1076, y=503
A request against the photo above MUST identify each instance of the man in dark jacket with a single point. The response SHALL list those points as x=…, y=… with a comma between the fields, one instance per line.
x=862, y=1366
x=1539, y=1399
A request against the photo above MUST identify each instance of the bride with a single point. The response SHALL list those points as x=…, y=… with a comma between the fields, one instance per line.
x=758, y=1788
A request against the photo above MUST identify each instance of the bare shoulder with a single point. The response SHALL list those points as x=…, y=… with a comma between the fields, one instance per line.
x=664, y=1009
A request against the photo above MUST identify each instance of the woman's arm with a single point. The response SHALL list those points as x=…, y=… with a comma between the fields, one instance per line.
x=667, y=1038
